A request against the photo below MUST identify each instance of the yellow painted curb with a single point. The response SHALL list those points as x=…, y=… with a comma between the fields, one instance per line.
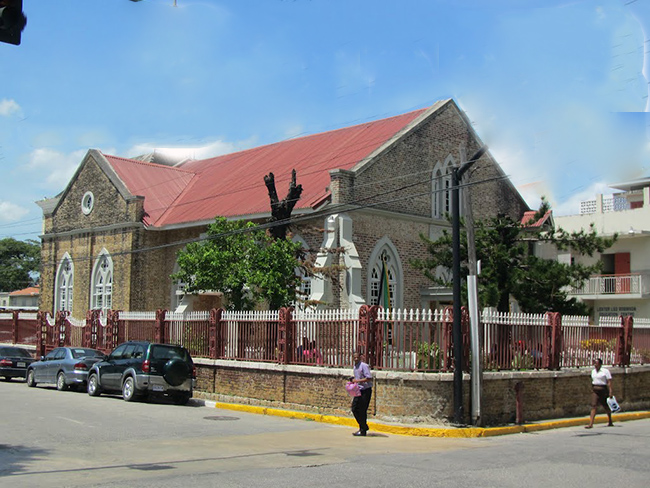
x=457, y=432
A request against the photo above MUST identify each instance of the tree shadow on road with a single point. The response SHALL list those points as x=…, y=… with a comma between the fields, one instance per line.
x=14, y=459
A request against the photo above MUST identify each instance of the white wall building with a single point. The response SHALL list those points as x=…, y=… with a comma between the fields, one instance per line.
x=623, y=288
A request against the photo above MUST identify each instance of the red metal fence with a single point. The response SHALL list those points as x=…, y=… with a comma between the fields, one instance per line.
x=407, y=340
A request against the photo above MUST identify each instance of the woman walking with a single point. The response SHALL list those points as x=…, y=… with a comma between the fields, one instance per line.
x=601, y=385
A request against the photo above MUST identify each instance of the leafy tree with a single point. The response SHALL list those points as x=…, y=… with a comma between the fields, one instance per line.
x=247, y=265
x=20, y=262
x=508, y=267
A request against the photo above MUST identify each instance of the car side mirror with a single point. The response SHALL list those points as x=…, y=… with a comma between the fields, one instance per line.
x=42, y=358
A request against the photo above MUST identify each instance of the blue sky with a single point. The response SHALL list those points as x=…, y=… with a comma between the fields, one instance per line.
x=557, y=89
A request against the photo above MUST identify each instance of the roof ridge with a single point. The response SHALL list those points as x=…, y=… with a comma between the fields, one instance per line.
x=147, y=163
x=297, y=138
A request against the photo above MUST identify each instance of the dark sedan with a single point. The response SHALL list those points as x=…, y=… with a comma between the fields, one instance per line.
x=14, y=362
x=64, y=367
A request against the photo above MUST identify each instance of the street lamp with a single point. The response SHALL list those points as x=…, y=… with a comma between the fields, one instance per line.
x=457, y=335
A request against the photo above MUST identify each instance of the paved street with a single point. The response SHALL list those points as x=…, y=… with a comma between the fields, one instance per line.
x=68, y=439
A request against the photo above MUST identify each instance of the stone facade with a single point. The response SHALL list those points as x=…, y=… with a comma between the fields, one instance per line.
x=386, y=199
x=417, y=397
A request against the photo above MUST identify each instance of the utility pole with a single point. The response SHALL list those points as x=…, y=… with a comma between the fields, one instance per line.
x=476, y=373
x=457, y=334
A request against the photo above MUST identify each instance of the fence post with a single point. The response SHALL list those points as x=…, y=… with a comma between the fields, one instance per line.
x=624, y=342
x=447, y=342
x=285, y=335
x=464, y=327
x=375, y=337
x=628, y=326
x=41, y=318
x=215, y=343
x=554, y=321
x=60, y=328
x=362, y=335
x=14, y=326
x=86, y=338
x=159, y=326
x=112, y=329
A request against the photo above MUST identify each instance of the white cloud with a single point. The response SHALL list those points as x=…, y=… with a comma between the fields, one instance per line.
x=10, y=212
x=210, y=150
x=571, y=206
x=54, y=167
x=8, y=107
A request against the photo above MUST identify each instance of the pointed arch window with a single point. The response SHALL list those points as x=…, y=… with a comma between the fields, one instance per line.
x=385, y=276
x=441, y=189
x=64, y=284
x=102, y=282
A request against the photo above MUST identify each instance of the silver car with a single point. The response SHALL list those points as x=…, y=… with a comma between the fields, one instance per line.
x=64, y=367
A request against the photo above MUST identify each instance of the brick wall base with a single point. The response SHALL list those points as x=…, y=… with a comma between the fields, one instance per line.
x=416, y=397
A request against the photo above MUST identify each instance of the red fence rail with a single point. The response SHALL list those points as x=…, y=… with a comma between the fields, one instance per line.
x=391, y=339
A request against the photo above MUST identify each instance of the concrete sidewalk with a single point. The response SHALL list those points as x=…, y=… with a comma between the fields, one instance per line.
x=427, y=430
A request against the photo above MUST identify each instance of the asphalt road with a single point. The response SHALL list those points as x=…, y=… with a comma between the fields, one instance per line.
x=68, y=439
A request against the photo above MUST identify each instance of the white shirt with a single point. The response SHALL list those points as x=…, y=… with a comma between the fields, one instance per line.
x=600, y=378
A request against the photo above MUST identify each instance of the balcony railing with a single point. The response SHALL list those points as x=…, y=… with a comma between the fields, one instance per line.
x=626, y=284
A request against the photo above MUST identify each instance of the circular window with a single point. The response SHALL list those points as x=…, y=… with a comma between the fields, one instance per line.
x=87, y=202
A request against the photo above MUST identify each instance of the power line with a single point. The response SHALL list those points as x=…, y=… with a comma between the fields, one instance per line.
x=347, y=207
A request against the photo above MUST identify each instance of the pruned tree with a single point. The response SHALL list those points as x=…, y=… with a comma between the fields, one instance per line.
x=281, y=209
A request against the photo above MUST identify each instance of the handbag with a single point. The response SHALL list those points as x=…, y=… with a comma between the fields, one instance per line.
x=353, y=389
x=613, y=404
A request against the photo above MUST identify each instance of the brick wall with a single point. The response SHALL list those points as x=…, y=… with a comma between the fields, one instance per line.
x=416, y=397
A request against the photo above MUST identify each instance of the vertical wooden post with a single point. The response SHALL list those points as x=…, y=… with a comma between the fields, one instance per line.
x=216, y=343
x=555, y=323
x=159, y=326
x=86, y=338
x=624, y=342
x=285, y=336
x=14, y=326
x=41, y=333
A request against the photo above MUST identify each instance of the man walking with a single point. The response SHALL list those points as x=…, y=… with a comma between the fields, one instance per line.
x=363, y=377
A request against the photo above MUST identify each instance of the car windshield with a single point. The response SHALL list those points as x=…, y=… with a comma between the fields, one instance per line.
x=85, y=353
x=169, y=352
x=14, y=352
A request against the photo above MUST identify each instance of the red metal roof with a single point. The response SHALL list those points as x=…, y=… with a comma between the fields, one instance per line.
x=30, y=291
x=527, y=221
x=159, y=185
x=233, y=184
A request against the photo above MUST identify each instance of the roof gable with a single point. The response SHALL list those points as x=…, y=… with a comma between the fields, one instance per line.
x=160, y=185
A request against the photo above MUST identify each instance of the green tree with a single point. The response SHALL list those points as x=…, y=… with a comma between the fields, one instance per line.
x=247, y=265
x=20, y=263
x=509, y=268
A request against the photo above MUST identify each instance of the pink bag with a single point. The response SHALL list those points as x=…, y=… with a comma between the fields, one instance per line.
x=353, y=389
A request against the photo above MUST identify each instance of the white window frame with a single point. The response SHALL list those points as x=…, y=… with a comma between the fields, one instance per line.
x=101, y=287
x=64, y=284
x=385, y=248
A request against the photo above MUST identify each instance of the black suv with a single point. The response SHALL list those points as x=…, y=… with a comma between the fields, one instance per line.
x=137, y=368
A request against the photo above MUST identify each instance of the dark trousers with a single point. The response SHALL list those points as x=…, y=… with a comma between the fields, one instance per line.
x=360, y=408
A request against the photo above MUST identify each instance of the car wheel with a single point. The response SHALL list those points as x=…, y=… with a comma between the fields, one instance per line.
x=30, y=378
x=128, y=389
x=182, y=398
x=176, y=372
x=60, y=382
x=93, y=386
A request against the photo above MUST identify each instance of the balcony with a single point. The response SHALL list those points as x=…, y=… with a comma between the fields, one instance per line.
x=634, y=285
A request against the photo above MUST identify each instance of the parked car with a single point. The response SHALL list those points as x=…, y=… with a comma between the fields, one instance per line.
x=14, y=362
x=64, y=367
x=140, y=368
